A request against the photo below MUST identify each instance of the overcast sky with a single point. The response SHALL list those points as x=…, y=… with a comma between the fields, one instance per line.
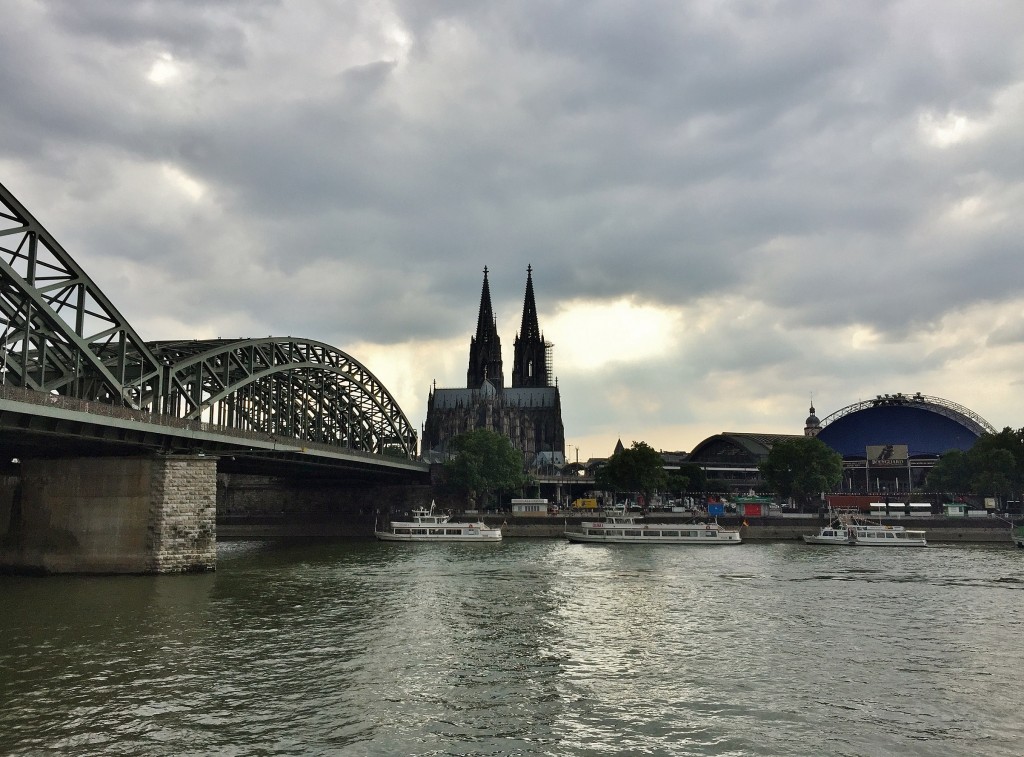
x=729, y=206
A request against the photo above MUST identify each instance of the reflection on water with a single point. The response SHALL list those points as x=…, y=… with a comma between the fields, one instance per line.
x=523, y=647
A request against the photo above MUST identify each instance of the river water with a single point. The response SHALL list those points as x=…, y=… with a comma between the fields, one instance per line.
x=527, y=647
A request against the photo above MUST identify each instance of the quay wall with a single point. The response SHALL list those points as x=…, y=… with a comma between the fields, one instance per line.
x=262, y=509
x=940, y=529
x=253, y=506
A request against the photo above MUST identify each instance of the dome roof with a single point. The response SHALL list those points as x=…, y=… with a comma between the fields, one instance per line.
x=734, y=447
x=927, y=425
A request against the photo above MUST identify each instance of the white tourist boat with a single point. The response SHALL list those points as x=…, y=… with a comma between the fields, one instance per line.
x=426, y=525
x=836, y=531
x=830, y=534
x=870, y=535
x=627, y=529
x=849, y=528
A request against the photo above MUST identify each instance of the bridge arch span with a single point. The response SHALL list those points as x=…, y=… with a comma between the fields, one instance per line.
x=60, y=334
x=302, y=389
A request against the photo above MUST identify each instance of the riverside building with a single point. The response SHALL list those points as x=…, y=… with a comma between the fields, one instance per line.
x=888, y=444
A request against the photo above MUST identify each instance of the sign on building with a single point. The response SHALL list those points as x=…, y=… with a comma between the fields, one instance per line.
x=887, y=454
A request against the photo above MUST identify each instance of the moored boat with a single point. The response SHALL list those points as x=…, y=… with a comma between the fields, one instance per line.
x=426, y=525
x=628, y=529
x=830, y=534
x=865, y=535
x=1018, y=536
x=849, y=528
x=836, y=531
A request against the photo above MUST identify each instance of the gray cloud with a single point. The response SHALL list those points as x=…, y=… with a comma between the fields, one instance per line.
x=357, y=165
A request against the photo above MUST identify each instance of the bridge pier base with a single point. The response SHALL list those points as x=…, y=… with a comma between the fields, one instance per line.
x=110, y=515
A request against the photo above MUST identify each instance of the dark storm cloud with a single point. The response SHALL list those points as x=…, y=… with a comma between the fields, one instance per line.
x=347, y=169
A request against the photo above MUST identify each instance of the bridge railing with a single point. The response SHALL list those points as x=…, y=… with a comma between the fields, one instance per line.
x=45, y=399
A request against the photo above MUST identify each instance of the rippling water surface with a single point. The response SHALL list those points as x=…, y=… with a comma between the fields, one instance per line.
x=528, y=647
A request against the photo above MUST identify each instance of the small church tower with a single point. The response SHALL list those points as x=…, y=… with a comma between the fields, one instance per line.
x=812, y=426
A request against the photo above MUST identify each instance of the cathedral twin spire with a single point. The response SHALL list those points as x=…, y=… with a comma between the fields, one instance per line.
x=485, y=347
x=530, y=358
x=530, y=367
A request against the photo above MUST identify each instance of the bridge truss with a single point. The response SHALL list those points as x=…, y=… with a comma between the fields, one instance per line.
x=287, y=387
x=59, y=334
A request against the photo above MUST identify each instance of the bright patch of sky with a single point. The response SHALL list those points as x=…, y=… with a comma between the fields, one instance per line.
x=593, y=334
x=164, y=70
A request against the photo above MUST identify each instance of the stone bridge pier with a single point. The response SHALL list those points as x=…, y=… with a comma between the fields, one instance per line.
x=154, y=514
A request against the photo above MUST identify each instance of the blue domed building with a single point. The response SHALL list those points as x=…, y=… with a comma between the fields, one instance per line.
x=889, y=443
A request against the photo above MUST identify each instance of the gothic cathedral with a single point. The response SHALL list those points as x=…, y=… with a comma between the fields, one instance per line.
x=529, y=413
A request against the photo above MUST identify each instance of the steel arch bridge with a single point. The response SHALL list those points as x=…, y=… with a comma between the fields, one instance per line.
x=62, y=335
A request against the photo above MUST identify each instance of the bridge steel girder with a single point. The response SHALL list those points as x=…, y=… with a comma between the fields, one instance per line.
x=289, y=387
x=59, y=334
x=59, y=331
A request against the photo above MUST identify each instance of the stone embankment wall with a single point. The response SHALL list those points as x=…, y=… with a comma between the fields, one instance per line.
x=262, y=506
x=938, y=529
x=252, y=506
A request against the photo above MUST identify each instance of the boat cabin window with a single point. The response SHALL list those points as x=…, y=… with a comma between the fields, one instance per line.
x=652, y=533
x=712, y=534
x=629, y=532
x=453, y=531
x=670, y=533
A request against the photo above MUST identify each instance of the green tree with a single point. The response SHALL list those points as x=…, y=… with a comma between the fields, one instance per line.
x=637, y=469
x=950, y=474
x=696, y=479
x=994, y=466
x=995, y=474
x=997, y=463
x=485, y=464
x=801, y=467
x=676, y=483
x=689, y=478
